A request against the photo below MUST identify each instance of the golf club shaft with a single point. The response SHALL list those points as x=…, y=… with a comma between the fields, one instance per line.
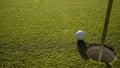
x=105, y=28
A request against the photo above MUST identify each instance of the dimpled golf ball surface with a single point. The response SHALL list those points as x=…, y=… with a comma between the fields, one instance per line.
x=80, y=35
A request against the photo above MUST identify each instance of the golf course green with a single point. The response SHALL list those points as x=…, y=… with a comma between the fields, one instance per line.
x=41, y=33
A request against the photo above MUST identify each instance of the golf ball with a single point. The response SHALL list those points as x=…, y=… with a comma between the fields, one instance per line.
x=80, y=35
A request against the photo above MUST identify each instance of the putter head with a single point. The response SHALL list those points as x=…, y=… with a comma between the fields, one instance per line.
x=107, y=56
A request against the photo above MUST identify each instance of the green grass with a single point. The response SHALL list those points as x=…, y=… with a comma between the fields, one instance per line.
x=41, y=33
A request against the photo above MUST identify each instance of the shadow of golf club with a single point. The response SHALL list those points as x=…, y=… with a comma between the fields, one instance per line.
x=82, y=48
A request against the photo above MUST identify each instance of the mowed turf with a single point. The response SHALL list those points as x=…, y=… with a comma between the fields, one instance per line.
x=41, y=33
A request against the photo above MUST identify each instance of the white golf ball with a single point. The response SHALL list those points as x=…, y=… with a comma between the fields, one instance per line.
x=80, y=35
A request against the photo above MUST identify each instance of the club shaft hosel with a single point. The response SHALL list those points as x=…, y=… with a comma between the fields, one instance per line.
x=108, y=12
